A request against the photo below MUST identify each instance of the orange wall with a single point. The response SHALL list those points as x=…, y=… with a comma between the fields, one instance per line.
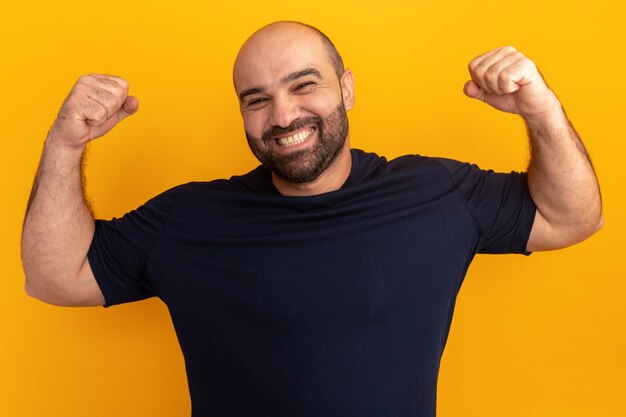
x=538, y=336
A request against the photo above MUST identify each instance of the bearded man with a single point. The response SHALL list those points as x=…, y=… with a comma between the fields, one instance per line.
x=323, y=282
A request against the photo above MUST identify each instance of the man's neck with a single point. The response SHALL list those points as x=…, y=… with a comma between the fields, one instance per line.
x=330, y=180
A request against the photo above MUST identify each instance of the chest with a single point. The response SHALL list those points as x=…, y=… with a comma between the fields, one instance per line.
x=315, y=265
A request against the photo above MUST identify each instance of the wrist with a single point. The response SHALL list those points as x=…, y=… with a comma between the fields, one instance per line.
x=552, y=112
x=54, y=142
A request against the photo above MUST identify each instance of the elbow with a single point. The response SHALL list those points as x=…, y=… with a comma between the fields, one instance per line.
x=33, y=285
x=32, y=292
x=45, y=290
x=589, y=229
x=35, y=281
x=599, y=224
x=574, y=234
x=595, y=225
x=30, y=284
x=35, y=290
x=551, y=235
x=28, y=288
x=58, y=284
x=43, y=282
x=65, y=290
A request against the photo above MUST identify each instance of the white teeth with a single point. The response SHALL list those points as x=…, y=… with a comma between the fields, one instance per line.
x=295, y=139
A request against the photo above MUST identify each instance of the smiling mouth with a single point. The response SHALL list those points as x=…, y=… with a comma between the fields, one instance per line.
x=296, y=138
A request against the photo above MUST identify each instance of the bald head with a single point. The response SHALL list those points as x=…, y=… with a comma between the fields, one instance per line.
x=333, y=54
x=272, y=39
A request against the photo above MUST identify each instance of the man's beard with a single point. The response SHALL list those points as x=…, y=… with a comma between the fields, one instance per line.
x=305, y=165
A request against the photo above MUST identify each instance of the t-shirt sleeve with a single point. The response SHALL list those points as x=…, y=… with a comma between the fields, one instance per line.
x=121, y=246
x=500, y=204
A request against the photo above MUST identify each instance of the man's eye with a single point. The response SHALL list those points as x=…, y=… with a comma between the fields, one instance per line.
x=304, y=86
x=256, y=103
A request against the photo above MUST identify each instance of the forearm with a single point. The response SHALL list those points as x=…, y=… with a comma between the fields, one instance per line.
x=561, y=178
x=59, y=226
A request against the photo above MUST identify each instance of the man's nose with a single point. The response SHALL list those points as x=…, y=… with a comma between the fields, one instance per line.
x=284, y=111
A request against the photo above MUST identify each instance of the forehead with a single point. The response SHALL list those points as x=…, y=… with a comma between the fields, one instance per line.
x=271, y=54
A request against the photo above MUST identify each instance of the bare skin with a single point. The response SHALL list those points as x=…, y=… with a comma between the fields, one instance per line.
x=264, y=61
x=59, y=226
x=561, y=178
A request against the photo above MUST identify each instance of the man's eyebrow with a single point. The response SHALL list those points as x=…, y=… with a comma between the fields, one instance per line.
x=247, y=92
x=291, y=77
x=302, y=73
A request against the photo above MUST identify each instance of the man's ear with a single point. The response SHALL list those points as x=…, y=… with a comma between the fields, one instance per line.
x=347, y=89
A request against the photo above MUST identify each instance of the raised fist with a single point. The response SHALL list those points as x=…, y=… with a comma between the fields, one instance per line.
x=508, y=81
x=96, y=103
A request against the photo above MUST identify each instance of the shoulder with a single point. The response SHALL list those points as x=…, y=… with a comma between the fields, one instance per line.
x=370, y=165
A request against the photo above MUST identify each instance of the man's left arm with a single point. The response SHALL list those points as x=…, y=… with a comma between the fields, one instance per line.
x=561, y=179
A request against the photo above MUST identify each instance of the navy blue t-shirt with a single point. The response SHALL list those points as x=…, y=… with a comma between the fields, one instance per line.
x=333, y=305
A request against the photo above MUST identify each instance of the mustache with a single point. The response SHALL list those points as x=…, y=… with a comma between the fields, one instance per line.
x=293, y=126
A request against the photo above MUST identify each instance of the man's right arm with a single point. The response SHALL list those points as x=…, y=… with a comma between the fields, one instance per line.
x=59, y=226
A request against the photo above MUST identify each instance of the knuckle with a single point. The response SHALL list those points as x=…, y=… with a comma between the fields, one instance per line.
x=520, y=57
x=83, y=79
x=478, y=72
x=491, y=75
x=106, y=94
x=102, y=94
x=115, y=81
x=120, y=91
x=123, y=83
x=531, y=64
x=92, y=76
x=473, y=65
x=94, y=109
x=507, y=72
x=504, y=79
